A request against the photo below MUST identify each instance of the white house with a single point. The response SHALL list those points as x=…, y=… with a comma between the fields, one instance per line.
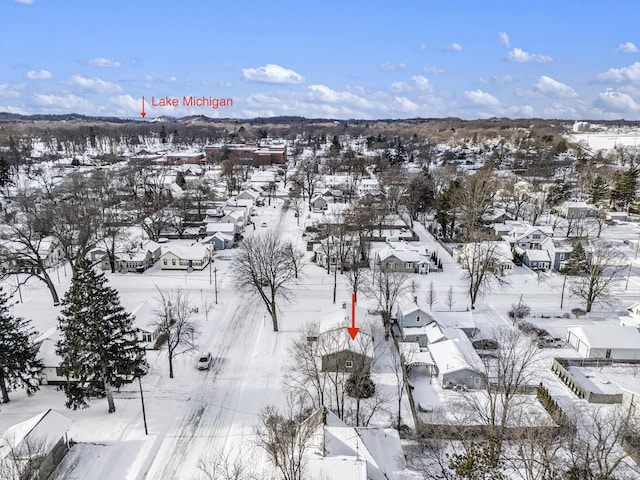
x=605, y=341
x=194, y=257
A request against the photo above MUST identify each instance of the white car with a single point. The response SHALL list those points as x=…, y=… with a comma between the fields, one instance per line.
x=204, y=361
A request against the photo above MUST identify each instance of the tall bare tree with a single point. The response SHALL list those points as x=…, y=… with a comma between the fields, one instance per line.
x=174, y=318
x=481, y=261
x=263, y=267
x=390, y=285
x=601, y=269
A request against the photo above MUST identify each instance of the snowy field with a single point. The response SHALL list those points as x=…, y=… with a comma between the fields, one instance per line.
x=200, y=413
x=606, y=140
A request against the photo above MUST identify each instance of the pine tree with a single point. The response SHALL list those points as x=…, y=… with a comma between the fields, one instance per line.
x=18, y=364
x=99, y=348
x=599, y=190
x=577, y=262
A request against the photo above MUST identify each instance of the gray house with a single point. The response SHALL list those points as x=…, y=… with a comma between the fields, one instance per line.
x=559, y=251
x=219, y=240
x=457, y=363
x=338, y=353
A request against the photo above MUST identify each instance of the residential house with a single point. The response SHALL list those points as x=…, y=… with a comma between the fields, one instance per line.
x=138, y=258
x=318, y=203
x=457, y=363
x=145, y=323
x=605, y=341
x=501, y=256
x=572, y=209
x=559, y=250
x=337, y=450
x=38, y=445
x=536, y=259
x=529, y=237
x=194, y=257
x=400, y=257
x=633, y=316
x=228, y=228
x=339, y=353
x=326, y=252
x=250, y=193
x=46, y=345
x=219, y=241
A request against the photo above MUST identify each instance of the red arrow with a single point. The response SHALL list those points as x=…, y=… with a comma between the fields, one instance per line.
x=353, y=330
x=142, y=113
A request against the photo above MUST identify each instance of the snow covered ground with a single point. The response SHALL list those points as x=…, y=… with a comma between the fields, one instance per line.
x=200, y=413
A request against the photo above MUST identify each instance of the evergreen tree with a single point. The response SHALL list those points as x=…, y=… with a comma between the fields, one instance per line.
x=181, y=181
x=99, y=347
x=18, y=364
x=5, y=172
x=624, y=188
x=599, y=190
x=577, y=262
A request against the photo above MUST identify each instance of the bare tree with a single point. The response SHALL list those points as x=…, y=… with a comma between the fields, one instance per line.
x=263, y=267
x=481, y=262
x=449, y=299
x=175, y=322
x=23, y=460
x=222, y=466
x=24, y=237
x=431, y=296
x=295, y=257
x=595, y=451
x=390, y=286
x=602, y=267
x=512, y=367
x=474, y=199
x=285, y=436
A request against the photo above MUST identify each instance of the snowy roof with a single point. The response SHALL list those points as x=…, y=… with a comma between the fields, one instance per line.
x=42, y=431
x=402, y=255
x=454, y=355
x=225, y=227
x=411, y=306
x=537, y=255
x=450, y=319
x=607, y=336
x=193, y=252
x=47, y=351
x=413, y=355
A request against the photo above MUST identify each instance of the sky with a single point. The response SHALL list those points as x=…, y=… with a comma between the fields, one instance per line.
x=567, y=59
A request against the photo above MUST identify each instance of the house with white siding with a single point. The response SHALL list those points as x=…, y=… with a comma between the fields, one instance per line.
x=193, y=257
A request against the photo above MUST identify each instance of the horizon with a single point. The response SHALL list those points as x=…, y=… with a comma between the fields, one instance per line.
x=334, y=61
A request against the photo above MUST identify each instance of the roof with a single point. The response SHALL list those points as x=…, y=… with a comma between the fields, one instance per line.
x=402, y=255
x=338, y=340
x=227, y=227
x=537, y=255
x=454, y=355
x=607, y=336
x=448, y=319
x=44, y=430
x=192, y=252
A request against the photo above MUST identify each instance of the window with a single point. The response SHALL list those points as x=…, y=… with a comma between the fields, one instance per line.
x=607, y=354
x=348, y=364
x=164, y=261
x=391, y=265
x=536, y=236
x=417, y=318
x=408, y=265
x=173, y=261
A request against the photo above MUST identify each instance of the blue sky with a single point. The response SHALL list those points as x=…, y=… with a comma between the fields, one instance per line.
x=571, y=59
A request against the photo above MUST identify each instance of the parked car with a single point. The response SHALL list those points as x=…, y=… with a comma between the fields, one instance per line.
x=264, y=224
x=550, y=342
x=204, y=361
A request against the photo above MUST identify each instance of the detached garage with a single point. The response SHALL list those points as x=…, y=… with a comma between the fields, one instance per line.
x=605, y=341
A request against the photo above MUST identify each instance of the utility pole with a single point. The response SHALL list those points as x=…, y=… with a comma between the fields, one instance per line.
x=144, y=415
x=215, y=276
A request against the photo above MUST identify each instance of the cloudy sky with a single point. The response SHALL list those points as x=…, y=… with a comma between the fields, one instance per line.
x=570, y=59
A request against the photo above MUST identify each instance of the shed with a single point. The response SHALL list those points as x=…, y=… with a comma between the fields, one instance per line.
x=605, y=341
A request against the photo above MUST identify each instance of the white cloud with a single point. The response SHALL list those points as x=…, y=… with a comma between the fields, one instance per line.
x=272, y=74
x=424, y=46
x=67, y=103
x=322, y=93
x=503, y=39
x=9, y=91
x=405, y=104
x=478, y=97
x=390, y=67
x=627, y=47
x=547, y=86
x=456, y=47
x=519, y=55
x=498, y=79
x=172, y=79
x=617, y=101
x=25, y=2
x=104, y=62
x=418, y=83
x=95, y=84
x=39, y=75
x=432, y=70
x=621, y=75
